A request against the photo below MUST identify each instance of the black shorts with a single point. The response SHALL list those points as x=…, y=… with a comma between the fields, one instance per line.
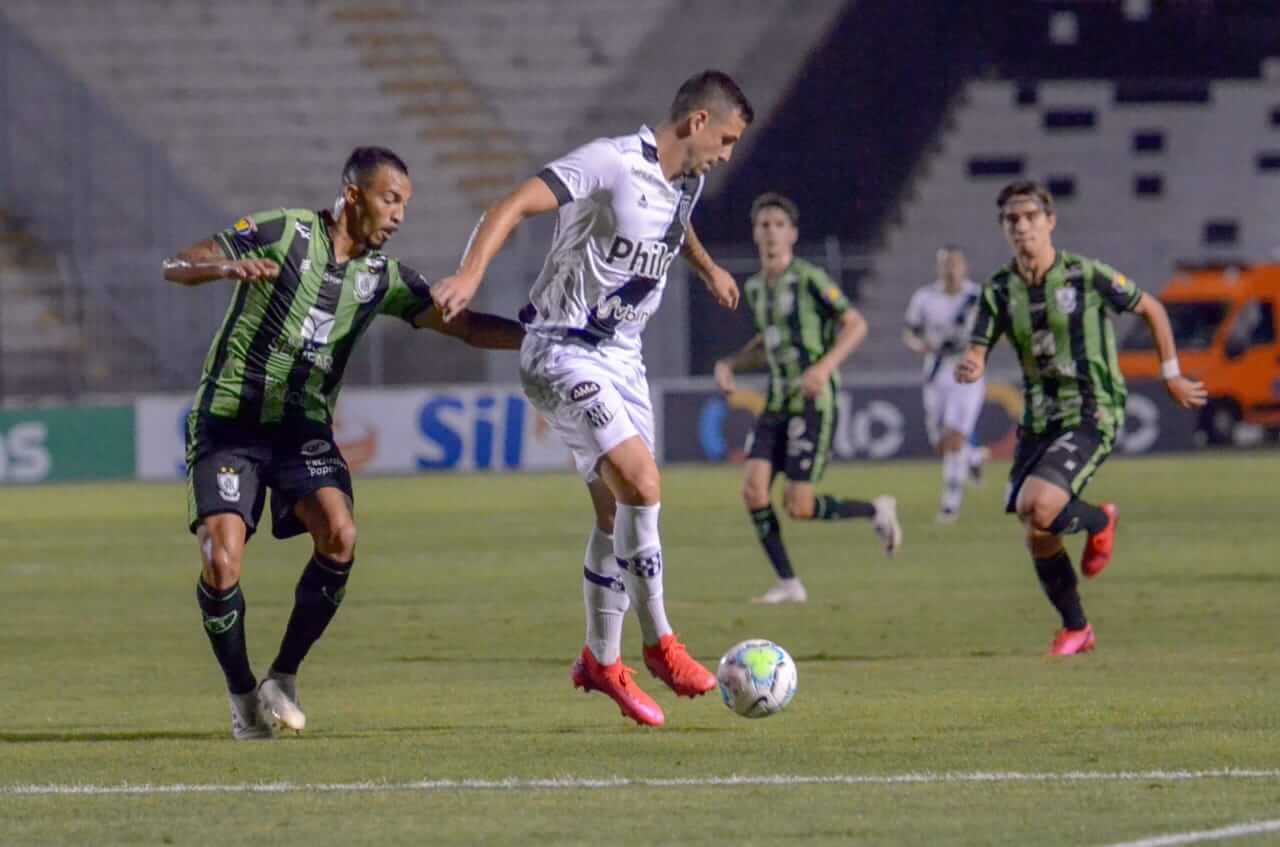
x=796, y=443
x=1066, y=458
x=230, y=468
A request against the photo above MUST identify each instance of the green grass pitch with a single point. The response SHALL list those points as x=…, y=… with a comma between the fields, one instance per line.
x=449, y=663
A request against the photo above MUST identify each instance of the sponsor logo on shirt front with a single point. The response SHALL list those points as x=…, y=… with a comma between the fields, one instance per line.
x=640, y=256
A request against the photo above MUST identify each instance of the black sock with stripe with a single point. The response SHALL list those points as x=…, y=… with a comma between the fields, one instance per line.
x=315, y=601
x=1058, y=579
x=1079, y=516
x=828, y=508
x=769, y=531
x=223, y=614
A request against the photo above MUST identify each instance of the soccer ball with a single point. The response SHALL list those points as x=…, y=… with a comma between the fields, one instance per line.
x=757, y=678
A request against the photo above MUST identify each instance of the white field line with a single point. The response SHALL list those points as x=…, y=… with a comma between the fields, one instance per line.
x=579, y=783
x=1240, y=830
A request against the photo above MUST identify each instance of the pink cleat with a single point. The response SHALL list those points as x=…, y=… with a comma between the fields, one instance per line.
x=615, y=681
x=1097, y=550
x=670, y=662
x=1069, y=642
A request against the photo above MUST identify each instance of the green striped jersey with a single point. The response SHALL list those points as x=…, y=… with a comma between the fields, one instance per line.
x=1064, y=339
x=798, y=318
x=284, y=344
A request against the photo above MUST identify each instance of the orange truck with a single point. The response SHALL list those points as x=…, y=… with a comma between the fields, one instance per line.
x=1224, y=321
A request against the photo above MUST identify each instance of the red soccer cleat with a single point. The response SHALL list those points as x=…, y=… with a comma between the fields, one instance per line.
x=1097, y=550
x=1069, y=642
x=670, y=662
x=615, y=681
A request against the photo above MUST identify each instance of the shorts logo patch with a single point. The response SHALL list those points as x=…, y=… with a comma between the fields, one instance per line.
x=366, y=286
x=229, y=484
x=1066, y=298
x=584, y=391
x=598, y=415
x=316, y=447
x=244, y=226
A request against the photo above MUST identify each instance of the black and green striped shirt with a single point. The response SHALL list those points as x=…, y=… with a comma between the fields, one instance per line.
x=798, y=318
x=1064, y=340
x=283, y=345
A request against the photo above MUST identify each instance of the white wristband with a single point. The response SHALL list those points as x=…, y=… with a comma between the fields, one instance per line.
x=1169, y=369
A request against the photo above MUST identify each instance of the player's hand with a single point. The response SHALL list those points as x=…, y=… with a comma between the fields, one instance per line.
x=453, y=293
x=814, y=381
x=724, y=377
x=971, y=367
x=1189, y=394
x=251, y=270
x=723, y=287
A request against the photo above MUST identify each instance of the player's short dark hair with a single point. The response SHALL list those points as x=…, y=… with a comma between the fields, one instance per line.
x=1025, y=187
x=772, y=199
x=364, y=162
x=714, y=91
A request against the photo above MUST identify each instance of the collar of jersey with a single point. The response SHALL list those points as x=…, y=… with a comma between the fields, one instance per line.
x=1058, y=259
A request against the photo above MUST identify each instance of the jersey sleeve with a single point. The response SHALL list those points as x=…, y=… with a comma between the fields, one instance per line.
x=408, y=294
x=592, y=168
x=255, y=236
x=915, y=313
x=827, y=294
x=989, y=320
x=1117, y=290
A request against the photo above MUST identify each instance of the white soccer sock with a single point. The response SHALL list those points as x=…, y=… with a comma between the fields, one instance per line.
x=955, y=468
x=973, y=456
x=635, y=543
x=605, y=596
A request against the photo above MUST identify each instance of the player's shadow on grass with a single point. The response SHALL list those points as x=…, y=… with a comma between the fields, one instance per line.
x=131, y=735
x=489, y=660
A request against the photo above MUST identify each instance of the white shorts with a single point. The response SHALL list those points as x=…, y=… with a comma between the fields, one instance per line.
x=593, y=403
x=949, y=405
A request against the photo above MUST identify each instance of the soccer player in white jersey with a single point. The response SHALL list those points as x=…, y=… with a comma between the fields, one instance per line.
x=939, y=318
x=624, y=207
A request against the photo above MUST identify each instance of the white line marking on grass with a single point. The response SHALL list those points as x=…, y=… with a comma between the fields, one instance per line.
x=1239, y=830
x=581, y=783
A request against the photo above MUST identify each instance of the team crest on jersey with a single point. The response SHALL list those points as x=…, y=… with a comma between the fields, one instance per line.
x=375, y=264
x=1066, y=298
x=229, y=484
x=365, y=287
x=244, y=226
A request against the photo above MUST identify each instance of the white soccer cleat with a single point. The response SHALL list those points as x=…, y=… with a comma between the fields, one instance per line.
x=886, y=525
x=783, y=591
x=278, y=695
x=247, y=720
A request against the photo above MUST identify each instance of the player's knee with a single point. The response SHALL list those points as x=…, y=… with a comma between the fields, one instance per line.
x=1042, y=545
x=221, y=563
x=646, y=486
x=799, y=505
x=754, y=495
x=339, y=541
x=1038, y=514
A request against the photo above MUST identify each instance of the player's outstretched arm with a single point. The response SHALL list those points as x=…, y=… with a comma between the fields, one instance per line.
x=477, y=329
x=453, y=293
x=973, y=364
x=719, y=281
x=204, y=262
x=751, y=356
x=853, y=331
x=1186, y=393
x=915, y=342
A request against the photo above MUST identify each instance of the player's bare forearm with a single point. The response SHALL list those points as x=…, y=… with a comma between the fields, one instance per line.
x=914, y=342
x=697, y=256
x=204, y=262
x=750, y=357
x=853, y=331
x=500, y=220
x=1157, y=319
x=476, y=329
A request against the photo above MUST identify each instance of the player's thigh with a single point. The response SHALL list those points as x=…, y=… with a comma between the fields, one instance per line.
x=931, y=399
x=226, y=479
x=808, y=442
x=757, y=479
x=311, y=489
x=1040, y=500
x=221, y=538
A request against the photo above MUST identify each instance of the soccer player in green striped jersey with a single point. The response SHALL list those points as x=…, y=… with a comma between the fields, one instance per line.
x=805, y=328
x=308, y=284
x=1052, y=306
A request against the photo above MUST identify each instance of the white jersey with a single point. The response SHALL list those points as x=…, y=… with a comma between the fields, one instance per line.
x=943, y=320
x=621, y=224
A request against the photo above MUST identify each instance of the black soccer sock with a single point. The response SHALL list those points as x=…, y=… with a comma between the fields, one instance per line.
x=1079, y=515
x=769, y=531
x=1058, y=579
x=828, y=508
x=223, y=613
x=315, y=601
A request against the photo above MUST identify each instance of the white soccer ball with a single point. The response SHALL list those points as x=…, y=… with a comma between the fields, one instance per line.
x=757, y=678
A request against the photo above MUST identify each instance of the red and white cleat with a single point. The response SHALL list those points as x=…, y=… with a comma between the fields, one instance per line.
x=1069, y=642
x=1097, y=550
x=670, y=662
x=616, y=682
